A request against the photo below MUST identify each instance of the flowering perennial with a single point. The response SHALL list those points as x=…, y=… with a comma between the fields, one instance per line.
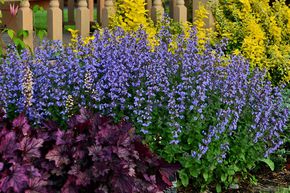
x=189, y=105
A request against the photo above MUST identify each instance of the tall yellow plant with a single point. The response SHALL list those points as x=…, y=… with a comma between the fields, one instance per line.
x=259, y=31
x=131, y=15
x=199, y=22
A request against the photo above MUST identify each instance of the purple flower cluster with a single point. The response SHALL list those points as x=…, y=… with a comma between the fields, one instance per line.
x=119, y=74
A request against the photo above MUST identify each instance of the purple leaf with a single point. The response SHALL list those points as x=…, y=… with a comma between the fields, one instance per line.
x=74, y=170
x=21, y=123
x=100, y=169
x=124, y=140
x=84, y=115
x=2, y=114
x=123, y=183
x=69, y=186
x=50, y=126
x=36, y=185
x=1, y=166
x=8, y=145
x=94, y=151
x=83, y=179
x=32, y=172
x=102, y=189
x=81, y=121
x=167, y=171
x=122, y=153
x=3, y=131
x=79, y=152
x=17, y=180
x=106, y=154
x=30, y=147
x=57, y=156
x=81, y=138
x=64, y=137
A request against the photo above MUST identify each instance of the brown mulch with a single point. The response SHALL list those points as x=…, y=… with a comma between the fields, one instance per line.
x=268, y=182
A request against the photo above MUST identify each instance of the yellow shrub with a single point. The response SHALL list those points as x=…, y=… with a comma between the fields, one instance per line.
x=131, y=15
x=258, y=31
x=199, y=22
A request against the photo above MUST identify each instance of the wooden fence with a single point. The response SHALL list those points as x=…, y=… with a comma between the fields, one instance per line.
x=85, y=14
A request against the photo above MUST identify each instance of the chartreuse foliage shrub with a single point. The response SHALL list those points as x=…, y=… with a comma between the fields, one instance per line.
x=93, y=155
x=259, y=32
x=202, y=108
x=131, y=15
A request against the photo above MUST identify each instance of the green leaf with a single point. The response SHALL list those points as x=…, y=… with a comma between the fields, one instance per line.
x=218, y=188
x=194, y=172
x=205, y=176
x=269, y=162
x=236, y=168
x=17, y=41
x=188, y=163
x=189, y=140
x=22, y=33
x=184, y=178
x=10, y=33
x=223, y=177
x=253, y=180
x=41, y=34
x=230, y=171
x=22, y=44
x=35, y=8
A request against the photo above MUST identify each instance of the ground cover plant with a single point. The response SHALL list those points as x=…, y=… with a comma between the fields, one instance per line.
x=202, y=108
x=93, y=155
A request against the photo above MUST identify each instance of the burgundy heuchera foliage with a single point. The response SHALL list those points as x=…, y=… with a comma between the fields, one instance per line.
x=92, y=155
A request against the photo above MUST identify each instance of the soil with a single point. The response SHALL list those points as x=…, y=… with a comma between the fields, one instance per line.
x=268, y=182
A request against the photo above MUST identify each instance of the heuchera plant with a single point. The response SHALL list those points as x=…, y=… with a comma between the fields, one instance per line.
x=93, y=155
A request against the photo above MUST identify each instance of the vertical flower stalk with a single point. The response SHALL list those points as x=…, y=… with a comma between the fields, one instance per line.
x=27, y=86
x=69, y=105
x=88, y=81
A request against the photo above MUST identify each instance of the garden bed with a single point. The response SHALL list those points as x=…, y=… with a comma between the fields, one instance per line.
x=139, y=109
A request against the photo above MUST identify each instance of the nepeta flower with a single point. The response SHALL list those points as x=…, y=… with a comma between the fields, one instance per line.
x=171, y=93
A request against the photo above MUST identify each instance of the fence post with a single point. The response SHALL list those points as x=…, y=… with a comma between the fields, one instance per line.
x=100, y=7
x=83, y=18
x=171, y=8
x=157, y=11
x=148, y=7
x=180, y=11
x=91, y=8
x=61, y=6
x=54, y=21
x=209, y=22
x=108, y=11
x=25, y=22
x=71, y=11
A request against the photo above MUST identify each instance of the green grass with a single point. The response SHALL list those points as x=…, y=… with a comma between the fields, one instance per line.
x=40, y=19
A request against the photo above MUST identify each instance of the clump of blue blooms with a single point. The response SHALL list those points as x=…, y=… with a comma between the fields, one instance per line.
x=202, y=108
